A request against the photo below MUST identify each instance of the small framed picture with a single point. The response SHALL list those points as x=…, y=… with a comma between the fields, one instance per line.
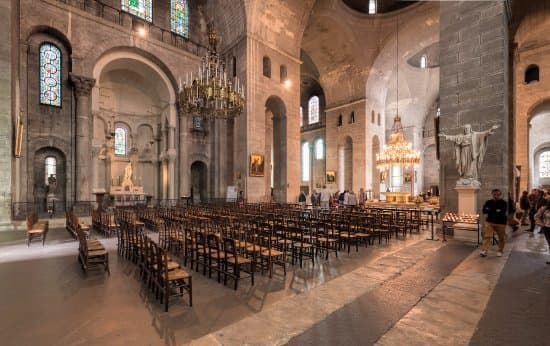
x=257, y=165
x=331, y=177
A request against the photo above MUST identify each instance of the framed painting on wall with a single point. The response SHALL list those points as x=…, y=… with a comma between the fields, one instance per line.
x=331, y=177
x=257, y=165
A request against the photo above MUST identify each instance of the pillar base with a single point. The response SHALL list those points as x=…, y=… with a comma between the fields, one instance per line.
x=467, y=204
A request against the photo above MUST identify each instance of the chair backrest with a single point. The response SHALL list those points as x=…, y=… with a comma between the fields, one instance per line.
x=229, y=247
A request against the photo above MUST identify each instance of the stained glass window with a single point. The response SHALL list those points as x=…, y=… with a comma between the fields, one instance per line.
x=120, y=141
x=544, y=165
x=50, y=168
x=313, y=108
x=179, y=18
x=305, y=161
x=140, y=8
x=50, y=75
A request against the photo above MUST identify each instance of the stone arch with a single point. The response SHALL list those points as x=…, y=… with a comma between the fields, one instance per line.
x=199, y=181
x=345, y=164
x=538, y=139
x=275, y=148
x=40, y=188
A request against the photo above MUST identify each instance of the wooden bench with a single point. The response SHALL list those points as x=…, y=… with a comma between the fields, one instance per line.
x=91, y=252
x=36, y=229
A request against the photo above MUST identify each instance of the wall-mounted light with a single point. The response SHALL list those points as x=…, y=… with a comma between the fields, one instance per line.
x=287, y=83
x=141, y=31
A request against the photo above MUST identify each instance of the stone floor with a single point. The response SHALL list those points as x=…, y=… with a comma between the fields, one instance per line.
x=409, y=291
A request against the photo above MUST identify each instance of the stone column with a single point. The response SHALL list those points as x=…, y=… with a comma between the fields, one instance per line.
x=6, y=112
x=474, y=90
x=82, y=89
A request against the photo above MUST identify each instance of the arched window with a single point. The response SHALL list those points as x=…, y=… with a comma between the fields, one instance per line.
x=544, y=164
x=372, y=6
x=379, y=119
x=305, y=161
x=267, y=67
x=532, y=74
x=120, y=141
x=372, y=117
x=50, y=75
x=352, y=118
x=319, y=149
x=179, y=17
x=424, y=61
x=313, y=108
x=140, y=8
x=301, y=116
x=282, y=75
x=234, y=63
x=50, y=168
x=340, y=120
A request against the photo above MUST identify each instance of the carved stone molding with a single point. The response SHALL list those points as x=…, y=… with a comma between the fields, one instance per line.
x=82, y=85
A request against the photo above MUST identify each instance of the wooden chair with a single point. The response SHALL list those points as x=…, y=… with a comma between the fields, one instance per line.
x=172, y=282
x=36, y=229
x=234, y=265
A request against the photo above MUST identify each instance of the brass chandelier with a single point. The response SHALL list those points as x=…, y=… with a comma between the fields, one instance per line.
x=398, y=152
x=209, y=94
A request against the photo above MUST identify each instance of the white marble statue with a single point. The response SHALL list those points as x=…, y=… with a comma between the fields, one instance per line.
x=470, y=148
x=128, y=172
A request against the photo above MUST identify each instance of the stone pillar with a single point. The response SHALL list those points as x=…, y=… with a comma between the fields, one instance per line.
x=82, y=88
x=6, y=112
x=171, y=155
x=474, y=90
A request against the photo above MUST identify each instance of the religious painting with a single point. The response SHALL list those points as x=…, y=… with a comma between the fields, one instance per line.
x=331, y=177
x=257, y=165
x=383, y=176
x=407, y=178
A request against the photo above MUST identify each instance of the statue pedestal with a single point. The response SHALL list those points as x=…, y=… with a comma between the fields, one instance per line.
x=467, y=204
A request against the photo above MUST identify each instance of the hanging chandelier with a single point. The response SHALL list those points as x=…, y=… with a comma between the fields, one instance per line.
x=208, y=93
x=399, y=152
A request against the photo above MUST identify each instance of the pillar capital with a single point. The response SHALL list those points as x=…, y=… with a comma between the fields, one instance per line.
x=82, y=85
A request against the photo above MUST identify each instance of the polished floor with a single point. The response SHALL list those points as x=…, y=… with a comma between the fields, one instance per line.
x=388, y=294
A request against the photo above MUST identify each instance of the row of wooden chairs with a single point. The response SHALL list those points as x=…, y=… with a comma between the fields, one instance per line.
x=91, y=252
x=72, y=224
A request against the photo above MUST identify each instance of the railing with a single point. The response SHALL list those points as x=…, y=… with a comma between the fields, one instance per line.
x=119, y=17
x=310, y=127
x=55, y=208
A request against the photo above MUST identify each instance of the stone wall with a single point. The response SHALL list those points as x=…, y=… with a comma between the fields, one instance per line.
x=474, y=89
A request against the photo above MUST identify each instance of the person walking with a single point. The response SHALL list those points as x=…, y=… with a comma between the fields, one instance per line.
x=542, y=218
x=524, y=206
x=325, y=198
x=352, y=200
x=536, y=201
x=496, y=210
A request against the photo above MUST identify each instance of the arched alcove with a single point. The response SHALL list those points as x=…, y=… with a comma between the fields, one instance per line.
x=539, y=141
x=345, y=164
x=275, y=148
x=44, y=157
x=199, y=182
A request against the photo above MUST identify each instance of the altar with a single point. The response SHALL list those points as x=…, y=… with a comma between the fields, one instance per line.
x=396, y=197
x=127, y=193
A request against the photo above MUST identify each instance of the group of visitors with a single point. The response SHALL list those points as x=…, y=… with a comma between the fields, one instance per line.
x=535, y=205
x=325, y=199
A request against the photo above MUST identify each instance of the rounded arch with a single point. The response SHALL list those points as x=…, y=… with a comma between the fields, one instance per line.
x=538, y=139
x=51, y=31
x=136, y=54
x=275, y=149
x=345, y=164
x=45, y=192
x=199, y=181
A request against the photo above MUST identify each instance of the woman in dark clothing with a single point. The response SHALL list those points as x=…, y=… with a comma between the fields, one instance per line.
x=524, y=206
x=542, y=218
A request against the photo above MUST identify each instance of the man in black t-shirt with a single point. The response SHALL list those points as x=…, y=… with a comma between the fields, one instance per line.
x=497, y=216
